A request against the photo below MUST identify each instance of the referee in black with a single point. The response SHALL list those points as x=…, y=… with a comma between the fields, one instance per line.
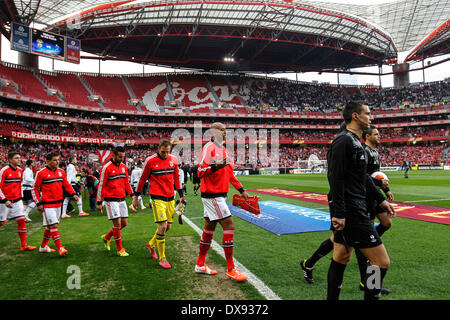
x=350, y=221
x=371, y=137
x=195, y=179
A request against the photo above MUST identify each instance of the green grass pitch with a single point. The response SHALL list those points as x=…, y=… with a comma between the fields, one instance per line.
x=419, y=252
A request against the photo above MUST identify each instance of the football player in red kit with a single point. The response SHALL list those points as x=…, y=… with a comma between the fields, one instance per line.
x=113, y=187
x=50, y=182
x=11, y=205
x=216, y=173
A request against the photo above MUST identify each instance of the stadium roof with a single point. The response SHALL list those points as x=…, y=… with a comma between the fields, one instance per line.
x=436, y=43
x=268, y=36
x=254, y=32
x=406, y=21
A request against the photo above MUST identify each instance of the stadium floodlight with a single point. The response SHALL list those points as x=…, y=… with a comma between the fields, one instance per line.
x=228, y=59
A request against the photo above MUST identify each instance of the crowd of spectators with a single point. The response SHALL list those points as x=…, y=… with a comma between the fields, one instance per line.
x=288, y=156
x=417, y=154
x=139, y=134
x=85, y=130
x=263, y=96
x=291, y=97
x=87, y=155
x=131, y=122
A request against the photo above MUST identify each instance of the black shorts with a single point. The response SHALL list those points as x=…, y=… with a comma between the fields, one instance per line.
x=27, y=196
x=360, y=234
x=374, y=209
x=195, y=180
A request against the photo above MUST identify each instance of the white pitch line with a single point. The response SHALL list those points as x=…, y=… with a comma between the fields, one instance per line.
x=252, y=279
x=196, y=218
x=428, y=200
x=321, y=208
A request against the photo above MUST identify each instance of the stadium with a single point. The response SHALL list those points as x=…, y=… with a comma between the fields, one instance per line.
x=244, y=64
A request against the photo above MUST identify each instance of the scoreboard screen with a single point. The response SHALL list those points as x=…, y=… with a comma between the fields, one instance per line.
x=47, y=44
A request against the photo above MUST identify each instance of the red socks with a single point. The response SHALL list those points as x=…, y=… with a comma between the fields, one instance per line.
x=55, y=236
x=115, y=232
x=22, y=231
x=46, y=238
x=109, y=235
x=227, y=243
x=117, y=237
x=205, y=244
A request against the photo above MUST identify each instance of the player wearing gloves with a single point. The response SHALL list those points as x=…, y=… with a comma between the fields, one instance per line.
x=161, y=170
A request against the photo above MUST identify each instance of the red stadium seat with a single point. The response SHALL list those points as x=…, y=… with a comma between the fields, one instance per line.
x=71, y=88
x=112, y=90
x=28, y=84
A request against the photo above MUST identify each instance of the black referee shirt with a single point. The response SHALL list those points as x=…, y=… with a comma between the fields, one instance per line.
x=348, y=178
x=373, y=159
x=373, y=164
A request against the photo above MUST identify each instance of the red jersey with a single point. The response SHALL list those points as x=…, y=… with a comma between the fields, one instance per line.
x=114, y=183
x=10, y=184
x=163, y=175
x=51, y=183
x=215, y=182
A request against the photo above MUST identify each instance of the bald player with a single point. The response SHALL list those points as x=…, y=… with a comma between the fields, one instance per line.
x=215, y=170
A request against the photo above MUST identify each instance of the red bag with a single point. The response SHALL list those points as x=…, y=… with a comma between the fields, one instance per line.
x=251, y=205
